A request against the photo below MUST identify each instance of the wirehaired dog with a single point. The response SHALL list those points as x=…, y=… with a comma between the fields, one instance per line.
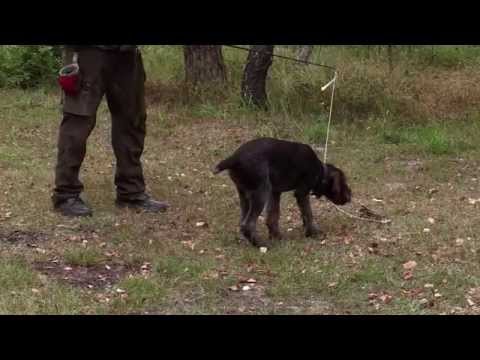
x=264, y=168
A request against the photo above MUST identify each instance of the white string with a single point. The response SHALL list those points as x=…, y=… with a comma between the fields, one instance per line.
x=334, y=82
x=383, y=221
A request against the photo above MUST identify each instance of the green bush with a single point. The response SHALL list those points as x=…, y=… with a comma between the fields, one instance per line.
x=28, y=66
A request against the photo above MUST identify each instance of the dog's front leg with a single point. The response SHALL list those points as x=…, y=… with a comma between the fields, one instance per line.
x=303, y=202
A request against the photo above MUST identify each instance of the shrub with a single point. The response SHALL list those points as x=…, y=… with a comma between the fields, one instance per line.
x=28, y=66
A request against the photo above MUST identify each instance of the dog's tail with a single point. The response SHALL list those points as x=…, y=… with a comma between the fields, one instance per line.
x=223, y=165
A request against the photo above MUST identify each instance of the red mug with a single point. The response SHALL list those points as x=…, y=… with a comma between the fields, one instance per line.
x=69, y=79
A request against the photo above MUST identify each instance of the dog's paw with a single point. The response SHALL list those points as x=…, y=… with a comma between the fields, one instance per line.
x=276, y=236
x=258, y=242
x=314, y=231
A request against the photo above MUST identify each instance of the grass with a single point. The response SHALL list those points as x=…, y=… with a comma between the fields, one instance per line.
x=416, y=168
x=83, y=257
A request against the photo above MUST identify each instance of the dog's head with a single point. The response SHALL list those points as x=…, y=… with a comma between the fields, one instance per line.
x=333, y=185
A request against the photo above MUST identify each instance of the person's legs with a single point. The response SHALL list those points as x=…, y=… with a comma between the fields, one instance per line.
x=126, y=101
x=78, y=122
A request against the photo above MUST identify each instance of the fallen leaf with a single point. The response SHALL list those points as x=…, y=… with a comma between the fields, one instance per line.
x=431, y=220
x=410, y=265
x=189, y=243
x=201, y=224
x=470, y=302
x=332, y=284
x=347, y=240
x=428, y=286
x=146, y=266
x=423, y=301
x=459, y=242
x=407, y=275
x=386, y=299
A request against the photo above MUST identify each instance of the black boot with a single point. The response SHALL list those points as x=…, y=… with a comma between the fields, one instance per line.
x=143, y=203
x=74, y=207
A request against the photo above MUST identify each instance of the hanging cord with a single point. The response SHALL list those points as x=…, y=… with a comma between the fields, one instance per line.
x=373, y=215
x=331, y=83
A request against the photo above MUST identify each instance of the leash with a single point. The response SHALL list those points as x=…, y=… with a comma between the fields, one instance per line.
x=332, y=83
x=382, y=221
x=370, y=212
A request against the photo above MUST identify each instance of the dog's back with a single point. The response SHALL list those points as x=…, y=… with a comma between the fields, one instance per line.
x=275, y=151
x=285, y=163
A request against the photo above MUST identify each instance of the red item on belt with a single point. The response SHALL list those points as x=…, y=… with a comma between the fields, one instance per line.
x=69, y=78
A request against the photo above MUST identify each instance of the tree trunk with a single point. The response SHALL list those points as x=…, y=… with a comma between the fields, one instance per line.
x=255, y=75
x=204, y=65
x=305, y=52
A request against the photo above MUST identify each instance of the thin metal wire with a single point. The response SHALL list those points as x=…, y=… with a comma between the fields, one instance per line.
x=282, y=57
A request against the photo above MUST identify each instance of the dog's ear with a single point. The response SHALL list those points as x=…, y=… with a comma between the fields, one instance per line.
x=338, y=178
x=339, y=191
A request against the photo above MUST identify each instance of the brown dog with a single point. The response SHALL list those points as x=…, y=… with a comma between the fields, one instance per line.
x=264, y=168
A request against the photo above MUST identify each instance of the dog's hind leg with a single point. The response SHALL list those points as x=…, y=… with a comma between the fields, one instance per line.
x=273, y=215
x=257, y=200
x=244, y=205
